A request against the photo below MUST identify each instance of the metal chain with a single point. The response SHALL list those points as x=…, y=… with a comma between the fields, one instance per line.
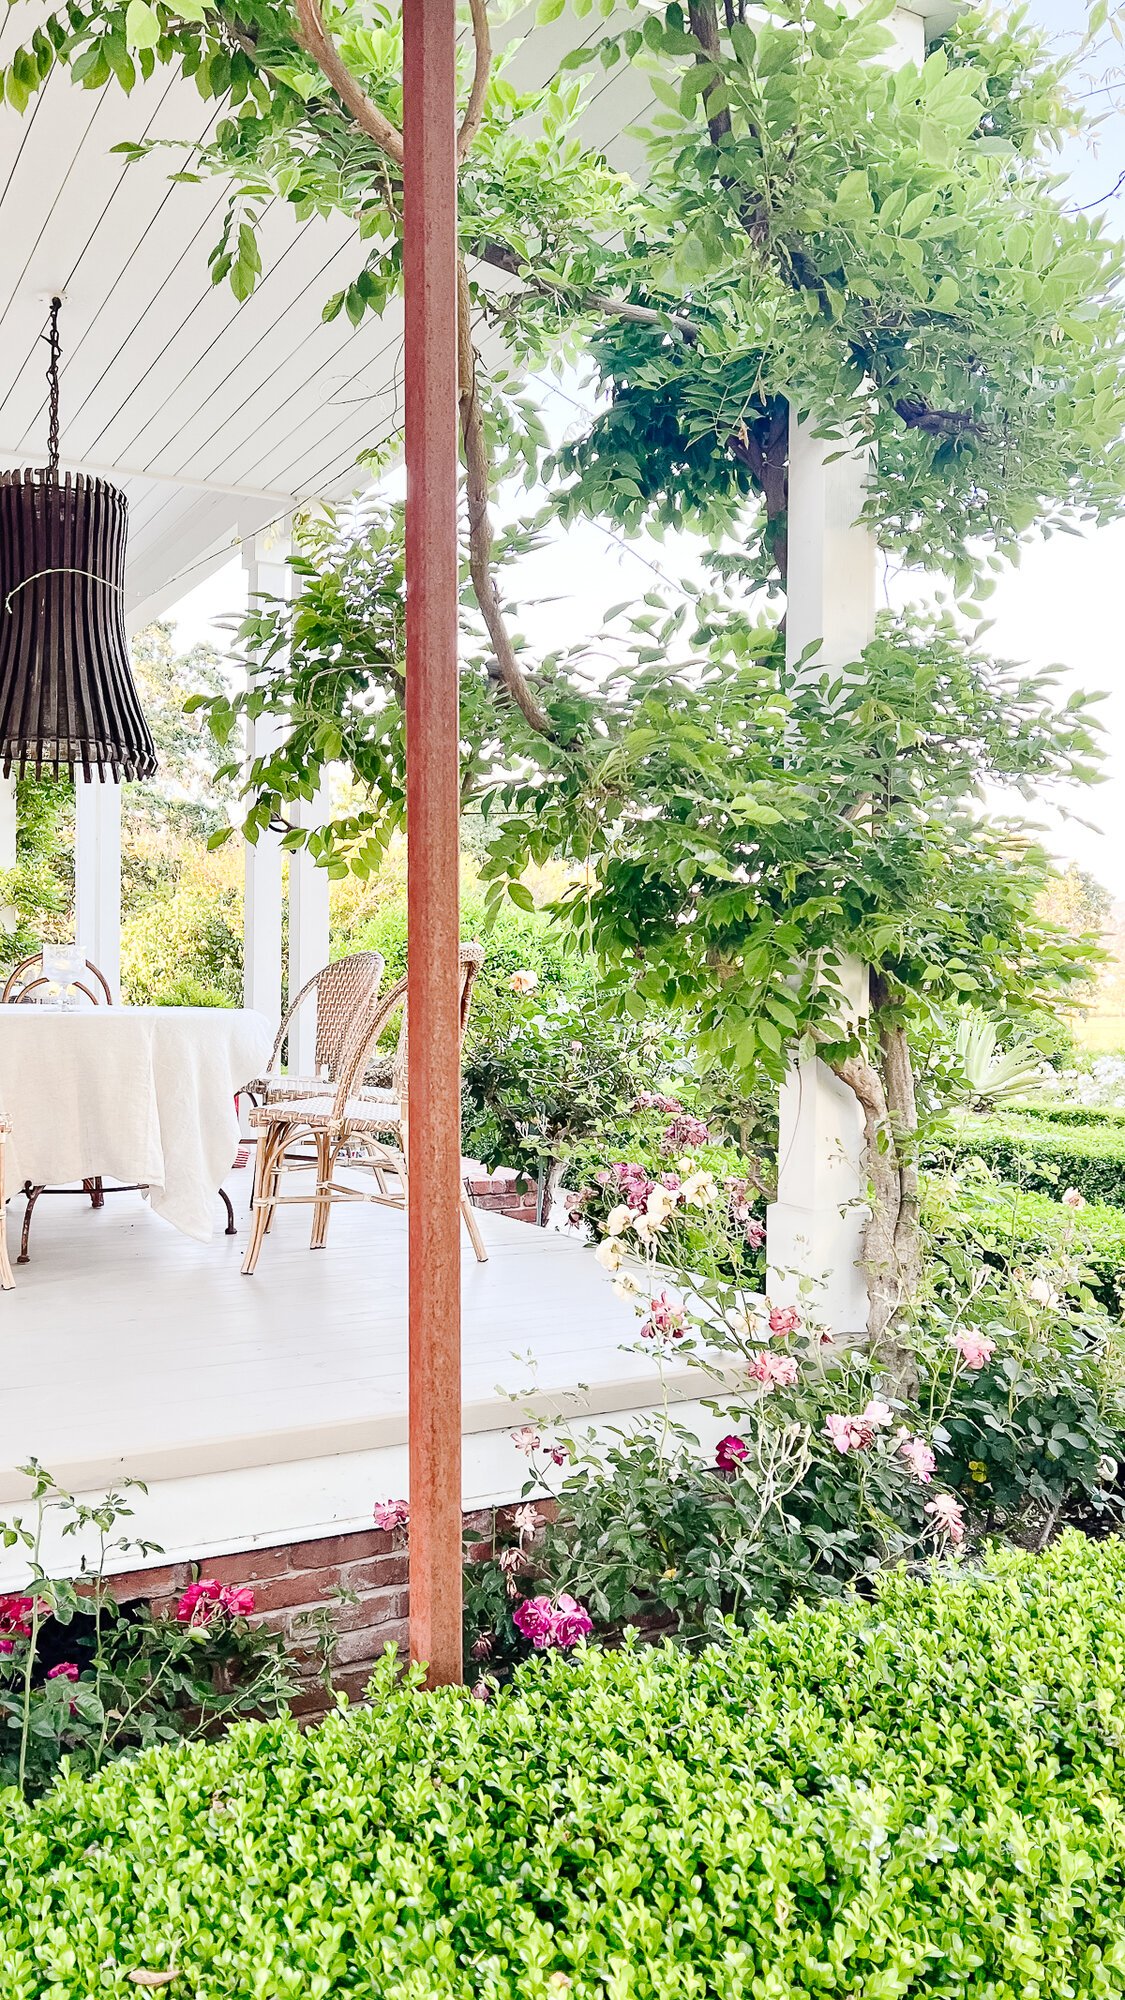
x=55, y=345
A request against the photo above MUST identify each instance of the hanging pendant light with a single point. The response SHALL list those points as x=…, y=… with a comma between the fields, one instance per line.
x=67, y=698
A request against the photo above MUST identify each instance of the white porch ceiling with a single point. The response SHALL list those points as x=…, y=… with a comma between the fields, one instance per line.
x=215, y=416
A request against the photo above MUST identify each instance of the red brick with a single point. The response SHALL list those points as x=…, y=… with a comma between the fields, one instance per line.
x=340, y=1548
x=375, y=1575
x=150, y=1582
x=309, y=1586
x=253, y=1566
x=370, y=1641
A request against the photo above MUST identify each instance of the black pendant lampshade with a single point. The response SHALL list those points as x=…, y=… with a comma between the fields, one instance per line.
x=67, y=698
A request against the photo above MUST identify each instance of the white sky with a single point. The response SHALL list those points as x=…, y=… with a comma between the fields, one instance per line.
x=1064, y=606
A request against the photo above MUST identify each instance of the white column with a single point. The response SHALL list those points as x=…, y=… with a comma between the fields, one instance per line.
x=814, y=1230
x=308, y=932
x=264, y=557
x=7, y=821
x=97, y=874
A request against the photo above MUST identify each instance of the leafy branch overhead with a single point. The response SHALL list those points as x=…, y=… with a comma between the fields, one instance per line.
x=889, y=247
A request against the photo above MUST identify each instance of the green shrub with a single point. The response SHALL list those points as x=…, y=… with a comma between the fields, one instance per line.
x=1057, y=1111
x=1049, y=1159
x=1012, y=1227
x=918, y=1796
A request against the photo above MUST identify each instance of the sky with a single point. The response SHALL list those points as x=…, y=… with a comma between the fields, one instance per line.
x=1063, y=607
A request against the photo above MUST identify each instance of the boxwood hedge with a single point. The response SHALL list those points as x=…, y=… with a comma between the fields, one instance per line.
x=1063, y=1111
x=924, y=1794
x=1049, y=1158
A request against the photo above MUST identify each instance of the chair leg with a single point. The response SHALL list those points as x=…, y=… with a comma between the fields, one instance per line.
x=473, y=1226
x=322, y=1207
x=261, y=1207
x=232, y=1227
x=7, y=1282
x=31, y=1195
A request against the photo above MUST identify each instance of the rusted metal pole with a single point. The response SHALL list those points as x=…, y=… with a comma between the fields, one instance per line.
x=430, y=268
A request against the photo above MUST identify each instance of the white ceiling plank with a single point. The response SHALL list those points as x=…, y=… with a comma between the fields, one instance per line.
x=228, y=384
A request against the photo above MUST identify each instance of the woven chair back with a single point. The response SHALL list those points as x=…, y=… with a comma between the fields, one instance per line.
x=470, y=959
x=27, y=979
x=345, y=991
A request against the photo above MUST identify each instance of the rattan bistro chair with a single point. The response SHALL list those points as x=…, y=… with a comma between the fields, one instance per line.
x=361, y=1129
x=7, y=1282
x=345, y=991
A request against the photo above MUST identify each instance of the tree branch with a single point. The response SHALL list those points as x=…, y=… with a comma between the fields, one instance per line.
x=482, y=69
x=317, y=42
x=477, y=485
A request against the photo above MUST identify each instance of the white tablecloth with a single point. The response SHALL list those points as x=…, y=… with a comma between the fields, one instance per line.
x=133, y=1094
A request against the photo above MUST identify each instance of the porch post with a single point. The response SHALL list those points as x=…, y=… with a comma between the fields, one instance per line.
x=264, y=559
x=432, y=738
x=97, y=874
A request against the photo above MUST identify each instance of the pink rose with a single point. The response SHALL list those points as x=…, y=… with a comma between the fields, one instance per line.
x=947, y=1516
x=684, y=1133
x=847, y=1433
x=975, y=1349
x=918, y=1456
x=666, y=1320
x=572, y=1622
x=16, y=1613
x=549, y=1624
x=729, y=1452
x=391, y=1515
x=65, y=1671
x=199, y=1602
x=784, y=1320
x=238, y=1603
x=774, y=1370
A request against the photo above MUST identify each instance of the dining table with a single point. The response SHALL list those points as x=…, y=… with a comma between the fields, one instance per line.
x=139, y=1095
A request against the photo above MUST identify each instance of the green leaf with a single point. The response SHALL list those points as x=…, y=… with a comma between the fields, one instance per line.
x=142, y=25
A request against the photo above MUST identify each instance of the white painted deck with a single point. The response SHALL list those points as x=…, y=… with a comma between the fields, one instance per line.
x=263, y=1409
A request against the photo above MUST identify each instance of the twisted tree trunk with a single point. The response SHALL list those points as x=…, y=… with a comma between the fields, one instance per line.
x=892, y=1242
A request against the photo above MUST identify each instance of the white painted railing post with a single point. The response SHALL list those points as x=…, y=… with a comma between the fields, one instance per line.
x=265, y=559
x=97, y=874
x=308, y=933
x=814, y=1229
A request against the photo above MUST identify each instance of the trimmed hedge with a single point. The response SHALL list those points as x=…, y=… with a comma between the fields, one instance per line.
x=1049, y=1159
x=1014, y=1227
x=1063, y=1111
x=924, y=1795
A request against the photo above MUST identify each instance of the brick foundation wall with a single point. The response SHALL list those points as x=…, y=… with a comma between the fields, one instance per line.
x=299, y=1577
x=500, y=1191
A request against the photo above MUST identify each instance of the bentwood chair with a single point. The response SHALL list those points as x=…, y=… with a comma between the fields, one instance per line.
x=361, y=1129
x=7, y=1282
x=345, y=990
x=27, y=982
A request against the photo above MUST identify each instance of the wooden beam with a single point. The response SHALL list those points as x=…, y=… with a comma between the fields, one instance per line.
x=432, y=756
